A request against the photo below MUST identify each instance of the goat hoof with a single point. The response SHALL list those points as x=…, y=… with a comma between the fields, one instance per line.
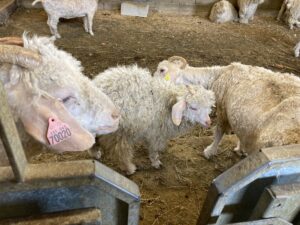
x=208, y=152
x=157, y=164
x=237, y=149
x=243, y=21
x=241, y=153
x=130, y=169
x=96, y=154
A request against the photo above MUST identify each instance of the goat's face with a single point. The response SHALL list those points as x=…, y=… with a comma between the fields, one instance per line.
x=194, y=106
x=171, y=68
x=48, y=83
x=88, y=105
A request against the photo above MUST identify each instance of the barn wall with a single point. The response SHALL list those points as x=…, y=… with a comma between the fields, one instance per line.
x=187, y=7
x=7, y=7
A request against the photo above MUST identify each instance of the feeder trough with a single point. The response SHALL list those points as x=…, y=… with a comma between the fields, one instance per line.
x=264, y=188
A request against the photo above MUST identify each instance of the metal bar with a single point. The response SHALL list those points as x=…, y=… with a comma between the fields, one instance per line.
x=279, y=201
x=6, y=9
x=59, y=170
x=90, y=216
x=124, y=189
x=273, y=221
x=10, y=139
x=72, y=185
x=133, y=213
x=234, y=194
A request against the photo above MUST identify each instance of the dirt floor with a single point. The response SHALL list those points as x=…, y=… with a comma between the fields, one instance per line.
x=175, y=194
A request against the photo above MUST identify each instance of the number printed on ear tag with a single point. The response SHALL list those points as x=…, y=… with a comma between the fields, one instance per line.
x=57, y=131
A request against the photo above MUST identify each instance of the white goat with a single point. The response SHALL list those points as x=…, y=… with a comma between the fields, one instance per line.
x=152, y=112
x=247, y=9
x=291, y=11
x=43, y=82
x=69, y=9
x=262, y=107
x=222, y=12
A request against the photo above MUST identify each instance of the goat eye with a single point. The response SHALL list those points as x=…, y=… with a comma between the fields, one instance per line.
x=161, y=70
x=192, y=108
x=66, y=99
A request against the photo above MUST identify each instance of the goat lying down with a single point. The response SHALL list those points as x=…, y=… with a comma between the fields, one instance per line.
x=262, y=107
x=43, y=82
x=222, y=12
x=152, y=112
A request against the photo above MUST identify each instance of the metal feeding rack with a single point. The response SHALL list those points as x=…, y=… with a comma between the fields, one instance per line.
x=262, y=189
x=78, y=191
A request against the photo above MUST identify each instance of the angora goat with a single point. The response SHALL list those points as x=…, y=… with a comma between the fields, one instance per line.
x=262, y=107
x=247, y=9
x=222, y=12
x=69, y=9
x=152, y=112
x=290, y=10
x=44, y=82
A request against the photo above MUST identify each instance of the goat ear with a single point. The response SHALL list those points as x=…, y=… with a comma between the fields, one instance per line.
x=178, y=60
x=36, y=123
x=177, y=112
x=35, y=112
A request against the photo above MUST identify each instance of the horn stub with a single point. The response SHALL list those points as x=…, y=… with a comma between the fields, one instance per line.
x=19, y=56
x=11, y=41
x=180, y=59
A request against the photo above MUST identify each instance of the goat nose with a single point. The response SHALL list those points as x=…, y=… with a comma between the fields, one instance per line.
x=208, y=122
x=115, y=114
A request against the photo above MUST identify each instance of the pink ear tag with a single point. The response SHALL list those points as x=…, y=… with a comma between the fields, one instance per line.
x=57, y=131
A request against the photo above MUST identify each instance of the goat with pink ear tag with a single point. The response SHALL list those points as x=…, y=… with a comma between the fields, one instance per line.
x=66, y=133
x=44, y=83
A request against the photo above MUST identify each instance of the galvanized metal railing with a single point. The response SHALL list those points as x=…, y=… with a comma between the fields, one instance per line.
x=11, y=140
x=54, y=187
x=265, y=185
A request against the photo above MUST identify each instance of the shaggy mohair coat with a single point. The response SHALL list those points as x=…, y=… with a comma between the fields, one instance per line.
x=247, y=9
x=146, y=111
x=222, y=12
x=262, y=107
x=42, y=81
x=290, y=10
